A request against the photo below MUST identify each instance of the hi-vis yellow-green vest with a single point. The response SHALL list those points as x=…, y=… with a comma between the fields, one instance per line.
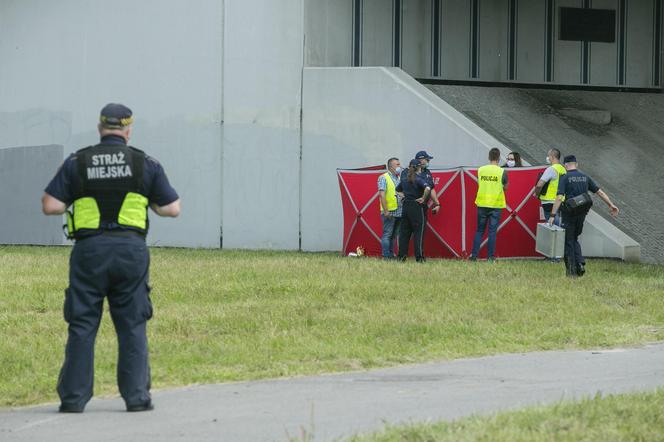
x=390, y=193
x=490, y=192
x=110, y=193
x=552, y=190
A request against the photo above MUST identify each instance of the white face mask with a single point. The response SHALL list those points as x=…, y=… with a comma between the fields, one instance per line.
x=511, y=163
x=548, y=160
x=398, y=170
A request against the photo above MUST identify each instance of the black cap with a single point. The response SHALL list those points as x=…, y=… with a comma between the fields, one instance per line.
x=116, y=115
x=414, y=163
x=569, y=159
x=423, y=154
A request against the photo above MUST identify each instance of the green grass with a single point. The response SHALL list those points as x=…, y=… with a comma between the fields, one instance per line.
x=629, y=417
x=231, y=315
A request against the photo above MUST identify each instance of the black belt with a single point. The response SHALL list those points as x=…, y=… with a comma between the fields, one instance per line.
x=115, y=232
x=122, y=233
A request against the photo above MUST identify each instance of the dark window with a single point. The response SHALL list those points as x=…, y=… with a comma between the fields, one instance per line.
x=579, y=24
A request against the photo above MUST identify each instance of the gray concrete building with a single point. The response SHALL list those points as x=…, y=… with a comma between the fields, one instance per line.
x=251, y=105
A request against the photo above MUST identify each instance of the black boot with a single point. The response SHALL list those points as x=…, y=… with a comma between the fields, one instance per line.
x=580, y=269
x=569, y=271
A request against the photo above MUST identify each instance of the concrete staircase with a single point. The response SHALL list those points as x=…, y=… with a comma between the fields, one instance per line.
x=617, y=137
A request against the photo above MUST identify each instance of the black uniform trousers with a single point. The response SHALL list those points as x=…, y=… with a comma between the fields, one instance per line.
x=113, y=265
x=573, y=225
x=413, y=221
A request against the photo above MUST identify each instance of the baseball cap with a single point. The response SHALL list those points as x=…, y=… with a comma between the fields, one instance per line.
x=116, y=115
x=423, y=154
x=569, y=159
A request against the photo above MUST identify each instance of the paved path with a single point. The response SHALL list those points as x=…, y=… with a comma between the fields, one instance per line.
x=334, y=406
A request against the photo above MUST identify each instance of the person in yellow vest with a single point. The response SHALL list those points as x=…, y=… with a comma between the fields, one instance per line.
x=390, y=206
x=547, y=186
x=490, y=202
x=108, y=188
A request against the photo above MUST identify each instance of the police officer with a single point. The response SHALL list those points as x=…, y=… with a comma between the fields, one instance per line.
x=490, y=202
x=573, y=189
x=108, y=188
x=415, y=190
x=423, y=157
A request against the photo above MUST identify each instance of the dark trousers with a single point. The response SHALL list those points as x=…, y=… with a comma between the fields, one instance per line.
x=490, y=216
x=115, y=267
x=412, y=224
x=573, y=225
x=547, y=209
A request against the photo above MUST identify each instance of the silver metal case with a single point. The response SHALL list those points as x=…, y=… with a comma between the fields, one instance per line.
x=550, y=240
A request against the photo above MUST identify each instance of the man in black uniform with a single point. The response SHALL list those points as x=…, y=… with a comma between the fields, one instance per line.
x=108, y=188
x=574, y=187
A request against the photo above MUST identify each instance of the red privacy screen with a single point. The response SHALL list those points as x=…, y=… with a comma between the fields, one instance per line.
x=450, y=233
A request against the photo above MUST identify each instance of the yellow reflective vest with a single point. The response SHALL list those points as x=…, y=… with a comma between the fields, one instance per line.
x=490, y=192
x=85, y=214
x=390, y=193
x=552, y=190
x=110, y=193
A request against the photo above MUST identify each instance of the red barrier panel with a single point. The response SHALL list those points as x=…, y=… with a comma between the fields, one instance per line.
x=450, y=233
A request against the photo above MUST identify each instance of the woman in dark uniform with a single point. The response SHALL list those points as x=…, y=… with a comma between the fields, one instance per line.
x=415, y=190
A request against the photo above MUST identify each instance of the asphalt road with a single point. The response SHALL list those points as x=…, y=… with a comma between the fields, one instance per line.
x=333, y=406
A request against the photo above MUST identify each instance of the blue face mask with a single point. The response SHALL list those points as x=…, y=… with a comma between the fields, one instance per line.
x=398, y=170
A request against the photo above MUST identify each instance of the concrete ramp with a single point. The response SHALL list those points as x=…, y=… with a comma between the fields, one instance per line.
x=354, y=117
x=617, y=137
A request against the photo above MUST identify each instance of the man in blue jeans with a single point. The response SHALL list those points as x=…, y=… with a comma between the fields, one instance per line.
x=490, y=202
x=390, y=206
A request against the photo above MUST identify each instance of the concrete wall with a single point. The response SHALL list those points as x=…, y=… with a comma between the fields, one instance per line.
x=263, y=59
x=493, y=39
x=21, y=219
x=530, y=41
x=639, y=43
x=329, y=31
x=474, y=40
x=354, y=117
x=566, y=54
x=416, y=42
x=377, y=33
x=455, y=41
x=62, y=61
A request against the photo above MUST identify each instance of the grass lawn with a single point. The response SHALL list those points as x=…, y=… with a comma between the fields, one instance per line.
x=236, y=315
x=629, y=417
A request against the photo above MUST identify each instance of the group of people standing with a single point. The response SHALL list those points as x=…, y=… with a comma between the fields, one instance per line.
x=404, y=196
x=561, y=188
x=404, y=200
